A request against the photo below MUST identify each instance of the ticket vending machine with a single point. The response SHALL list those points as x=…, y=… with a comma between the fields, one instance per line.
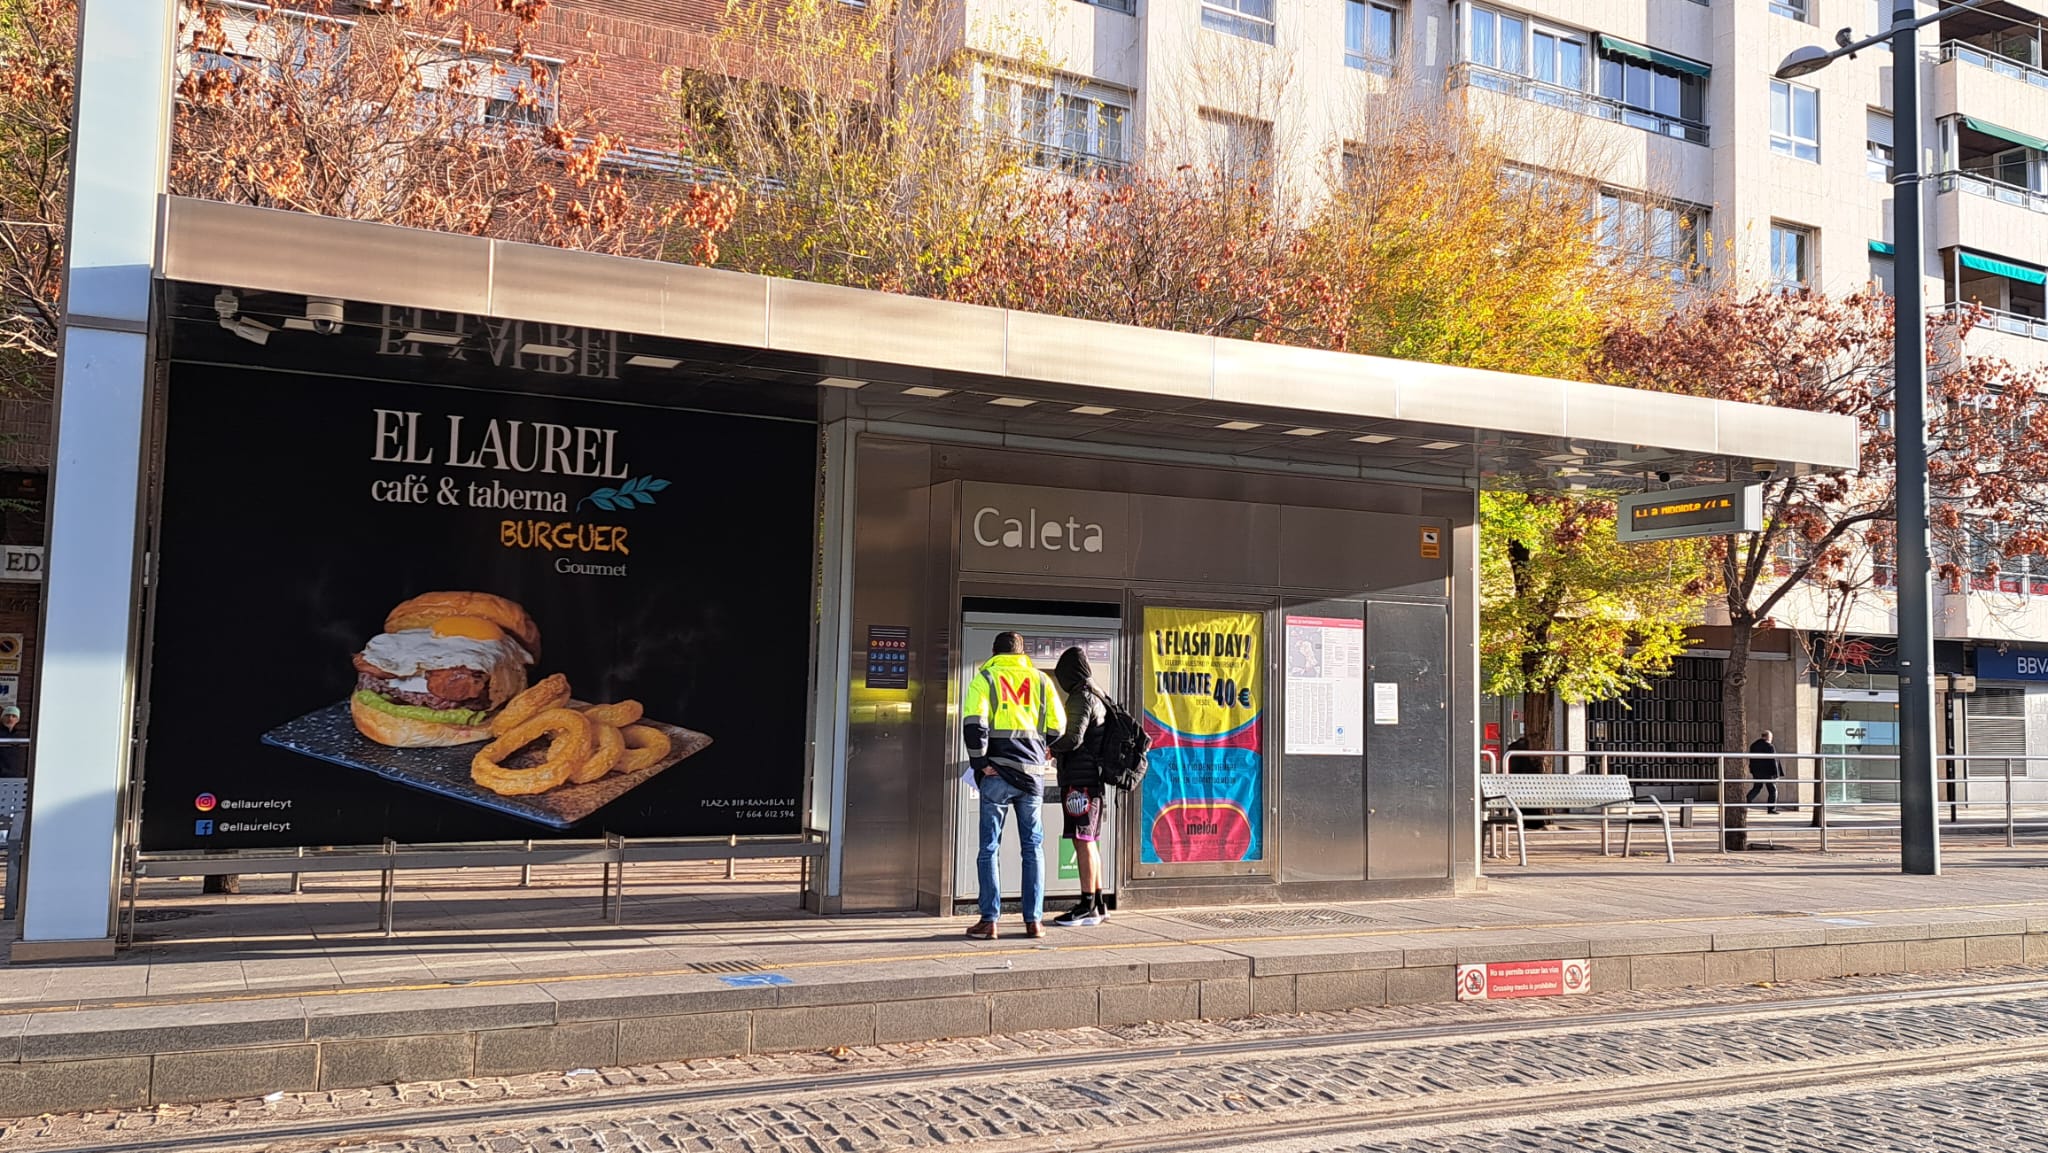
x=1046, y=636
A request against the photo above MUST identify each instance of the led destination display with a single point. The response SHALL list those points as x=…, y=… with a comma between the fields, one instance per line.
x=1710, y=510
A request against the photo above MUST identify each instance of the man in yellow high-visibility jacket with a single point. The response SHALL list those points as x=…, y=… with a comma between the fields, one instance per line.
x=1010, y=717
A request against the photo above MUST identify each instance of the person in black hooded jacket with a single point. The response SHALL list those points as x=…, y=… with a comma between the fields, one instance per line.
x=1077, y=754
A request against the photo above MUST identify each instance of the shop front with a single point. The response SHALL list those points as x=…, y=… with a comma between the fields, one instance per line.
x=455, y=541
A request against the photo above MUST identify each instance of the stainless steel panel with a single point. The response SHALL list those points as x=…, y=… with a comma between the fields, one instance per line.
x=1476, y=399
x=535, y=282
x=1407, y=764
x=1753, y=432
x=1055, y=348
x=1322, y=798
x=1199, y=542
x=1023, y=530
x=848, y=322
x=1312, y=380
x=1322, y=819
x=1623, y=416
x=274, y=251
x=885, y=773
x=1359, y=552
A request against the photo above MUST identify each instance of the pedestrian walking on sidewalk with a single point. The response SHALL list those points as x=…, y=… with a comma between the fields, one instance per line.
x=1078, y=755
x=1763, y=769
x=1011, y=715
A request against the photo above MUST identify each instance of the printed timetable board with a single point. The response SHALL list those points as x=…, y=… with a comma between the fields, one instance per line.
x=1706, y=510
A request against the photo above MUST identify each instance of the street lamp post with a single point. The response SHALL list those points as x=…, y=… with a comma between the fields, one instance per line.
x=1919, y=840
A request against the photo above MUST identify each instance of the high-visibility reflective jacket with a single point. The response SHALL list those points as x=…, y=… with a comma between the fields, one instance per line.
x=1010, y=717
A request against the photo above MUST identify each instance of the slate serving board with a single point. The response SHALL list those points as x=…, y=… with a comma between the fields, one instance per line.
x=329, y=735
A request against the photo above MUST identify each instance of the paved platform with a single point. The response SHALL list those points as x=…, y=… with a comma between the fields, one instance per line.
x=238, y=996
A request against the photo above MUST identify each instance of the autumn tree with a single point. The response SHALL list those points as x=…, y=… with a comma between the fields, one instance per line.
x=1987, y=465
x=435, y=115
x=850, y=138
x=1568, y=612
x=38, y=39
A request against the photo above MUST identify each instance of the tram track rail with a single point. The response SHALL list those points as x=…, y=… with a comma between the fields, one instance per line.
x=413, y=1122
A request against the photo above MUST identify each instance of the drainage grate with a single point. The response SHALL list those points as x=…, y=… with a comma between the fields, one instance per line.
x=1275, y=919
x=728, y=966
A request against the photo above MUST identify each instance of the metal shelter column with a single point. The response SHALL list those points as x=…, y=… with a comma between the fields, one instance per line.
x=85, y=711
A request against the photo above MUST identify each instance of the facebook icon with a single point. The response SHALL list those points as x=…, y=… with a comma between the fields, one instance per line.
x=202, y=828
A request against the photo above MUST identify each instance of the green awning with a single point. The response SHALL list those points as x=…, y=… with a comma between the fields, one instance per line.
x=1622, y=47
x=2005, y=268
x=2006, y=134
x=1879, y=246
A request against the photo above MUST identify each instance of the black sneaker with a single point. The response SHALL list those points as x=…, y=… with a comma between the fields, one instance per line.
x=1083, y=913
x=1101, y=912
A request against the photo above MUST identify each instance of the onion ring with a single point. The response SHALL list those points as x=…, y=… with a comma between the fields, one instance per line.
x=617, y=716
x=610, y=747
x=550, y=693
x=645, y=747
x=570, y=742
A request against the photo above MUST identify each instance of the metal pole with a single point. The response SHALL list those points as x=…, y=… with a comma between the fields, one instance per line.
x=2009, y=841
x=1919, y=837
x=1721, y=799
x=84, y=704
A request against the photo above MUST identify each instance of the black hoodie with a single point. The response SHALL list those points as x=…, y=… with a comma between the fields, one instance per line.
x=1078, y=752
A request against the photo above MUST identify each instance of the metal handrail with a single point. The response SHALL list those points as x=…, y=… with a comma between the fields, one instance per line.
x=1976, y=184
x=2011, y=323
x=1997, y=62
x=2013, y=816
x=1578, y=100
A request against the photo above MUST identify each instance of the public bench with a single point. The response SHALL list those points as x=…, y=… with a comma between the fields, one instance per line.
x=13, y=808
x=1505, y=797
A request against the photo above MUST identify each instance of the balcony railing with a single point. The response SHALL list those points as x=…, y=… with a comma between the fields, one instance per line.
x=2010, y=323
x=1995, y=189
x=2003, y=65
x=1573, y=100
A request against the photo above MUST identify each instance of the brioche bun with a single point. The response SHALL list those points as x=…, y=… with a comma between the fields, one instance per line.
x=407, y=733
x=423, y=610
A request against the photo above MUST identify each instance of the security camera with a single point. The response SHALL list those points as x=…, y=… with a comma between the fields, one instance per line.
x=1663, y=477
x=1764, y=469
x=323, y=315
x=227, y=306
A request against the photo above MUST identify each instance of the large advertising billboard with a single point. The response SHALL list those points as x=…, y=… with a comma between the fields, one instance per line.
x=1204, y=796
x=441, y=614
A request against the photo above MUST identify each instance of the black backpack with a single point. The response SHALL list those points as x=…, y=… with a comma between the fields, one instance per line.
x=1124, y=741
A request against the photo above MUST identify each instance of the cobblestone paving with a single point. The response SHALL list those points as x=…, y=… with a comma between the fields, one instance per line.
x=1997, y=1113
x=945, y=1109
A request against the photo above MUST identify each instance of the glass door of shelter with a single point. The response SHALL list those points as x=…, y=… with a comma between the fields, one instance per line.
x=1859, y=723
x=1045, y=638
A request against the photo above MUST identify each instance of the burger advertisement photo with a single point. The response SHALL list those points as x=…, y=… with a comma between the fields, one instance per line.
x=389, y=610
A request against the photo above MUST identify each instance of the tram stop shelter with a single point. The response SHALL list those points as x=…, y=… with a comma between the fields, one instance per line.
x=787, y=520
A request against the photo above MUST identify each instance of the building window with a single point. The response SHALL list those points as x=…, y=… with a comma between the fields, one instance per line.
x=1654, y=94
x=1665, y=235
x=1790, y=9
x=1795, y=120
x=1369, y=35
x=1496, y=40
x=1081, y=128
x=1791, y=255
x=1128, y=7
x=1092, y=132
x=1238, y=146
x=1877, y=147
x=1251, y=19
x=1881, y=272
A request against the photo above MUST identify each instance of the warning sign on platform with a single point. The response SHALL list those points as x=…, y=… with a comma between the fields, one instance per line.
x=1503, y=979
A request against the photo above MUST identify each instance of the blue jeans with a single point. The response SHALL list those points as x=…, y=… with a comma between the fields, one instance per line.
x=997, y=797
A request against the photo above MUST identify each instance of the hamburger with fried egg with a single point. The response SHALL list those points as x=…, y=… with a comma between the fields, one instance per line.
x=445, y=662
